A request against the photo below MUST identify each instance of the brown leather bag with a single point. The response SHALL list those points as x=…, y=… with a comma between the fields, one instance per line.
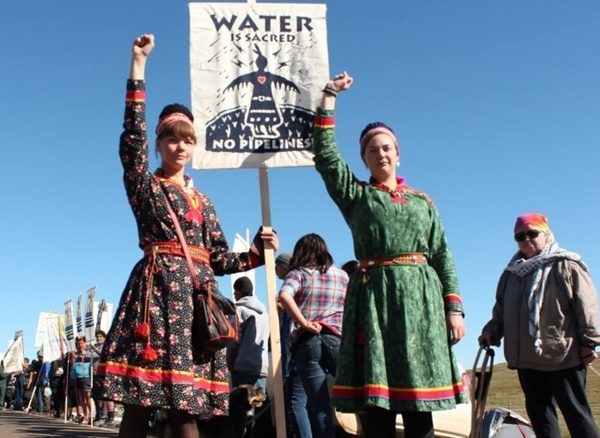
x=215, y=324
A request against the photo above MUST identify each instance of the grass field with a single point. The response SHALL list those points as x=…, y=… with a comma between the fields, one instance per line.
x=505, y=392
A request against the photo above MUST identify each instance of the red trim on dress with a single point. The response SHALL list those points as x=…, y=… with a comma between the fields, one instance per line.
x=397, y=394
x=192, y=198
x=397, y=194
x=162, y=376
x=195, y=213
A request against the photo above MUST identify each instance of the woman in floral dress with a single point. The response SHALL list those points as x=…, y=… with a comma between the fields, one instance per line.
x=403, y=311
x=148, y=360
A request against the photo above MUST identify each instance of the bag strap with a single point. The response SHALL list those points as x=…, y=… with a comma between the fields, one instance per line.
x=186, y=251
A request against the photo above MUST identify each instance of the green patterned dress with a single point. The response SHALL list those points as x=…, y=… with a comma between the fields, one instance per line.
x=395, y=352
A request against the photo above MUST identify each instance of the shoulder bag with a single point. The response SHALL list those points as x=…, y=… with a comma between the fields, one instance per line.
x=215, y=323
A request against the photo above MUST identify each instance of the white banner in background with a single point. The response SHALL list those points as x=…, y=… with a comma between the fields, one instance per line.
x=104, y=316
x=14, y=357
x=79, y=318
x=241, y=245
x=90, y=315
x=40, y=332
x=69, y=326
x=257, y=72
x=54, y=341
x=50, y=335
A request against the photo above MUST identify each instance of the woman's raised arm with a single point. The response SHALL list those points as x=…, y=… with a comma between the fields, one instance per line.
x=142, y=46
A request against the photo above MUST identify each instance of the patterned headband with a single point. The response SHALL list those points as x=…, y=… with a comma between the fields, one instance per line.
x=171, y=119
x=533, y=220
x=364, y=140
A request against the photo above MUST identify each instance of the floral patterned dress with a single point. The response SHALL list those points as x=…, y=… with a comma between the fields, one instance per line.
x=181, y=377
x=395, y=352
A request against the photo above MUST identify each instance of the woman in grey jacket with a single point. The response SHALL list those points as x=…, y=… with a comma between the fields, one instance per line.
x=547, y=311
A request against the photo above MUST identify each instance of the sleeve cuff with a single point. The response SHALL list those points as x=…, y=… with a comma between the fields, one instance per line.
x=254, y=260
x=453, y=303
x=136, y=91
x=325, y=121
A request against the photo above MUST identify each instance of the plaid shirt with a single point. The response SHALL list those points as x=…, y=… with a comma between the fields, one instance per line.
x=320, y=297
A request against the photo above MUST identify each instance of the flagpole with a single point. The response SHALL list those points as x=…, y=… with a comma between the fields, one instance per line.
x=33, y=394
x=275, y=369
x=92, y=405
x=89, y=330
x=67, y=384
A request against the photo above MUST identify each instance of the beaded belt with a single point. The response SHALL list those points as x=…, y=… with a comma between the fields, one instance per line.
x=199, y=254
x=411, y=258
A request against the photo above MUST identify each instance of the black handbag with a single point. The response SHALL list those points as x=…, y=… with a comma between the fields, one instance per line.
x=215, y=322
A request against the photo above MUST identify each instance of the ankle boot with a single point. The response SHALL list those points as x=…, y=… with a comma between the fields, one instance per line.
x=110, y=419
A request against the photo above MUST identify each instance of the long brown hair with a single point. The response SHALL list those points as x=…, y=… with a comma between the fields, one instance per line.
x=311, y=252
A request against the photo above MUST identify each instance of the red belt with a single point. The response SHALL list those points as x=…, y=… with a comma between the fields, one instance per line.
x=199, y=254
x=410, y=258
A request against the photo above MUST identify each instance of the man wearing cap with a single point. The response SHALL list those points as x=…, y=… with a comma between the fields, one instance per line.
x=39, y=379
x=282, y=264
x=248, y=359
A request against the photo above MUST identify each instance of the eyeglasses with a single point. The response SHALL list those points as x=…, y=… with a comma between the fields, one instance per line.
x=532, y=234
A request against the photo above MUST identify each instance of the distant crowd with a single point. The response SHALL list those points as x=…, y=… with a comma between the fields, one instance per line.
x=44, y=387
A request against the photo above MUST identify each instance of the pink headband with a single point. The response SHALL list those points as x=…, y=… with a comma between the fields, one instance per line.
x=372, y=133
x=534, y=220
x=170, y=120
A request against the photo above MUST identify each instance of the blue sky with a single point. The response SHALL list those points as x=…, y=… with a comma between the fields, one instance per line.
x=496, y=106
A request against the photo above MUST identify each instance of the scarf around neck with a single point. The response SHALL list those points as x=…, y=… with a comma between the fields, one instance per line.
x=540, y=265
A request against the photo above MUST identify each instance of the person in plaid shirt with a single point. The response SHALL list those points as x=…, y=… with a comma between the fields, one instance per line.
x=313, y=293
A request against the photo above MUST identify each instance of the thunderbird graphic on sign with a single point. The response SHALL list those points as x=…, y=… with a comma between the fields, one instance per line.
x=263, y=115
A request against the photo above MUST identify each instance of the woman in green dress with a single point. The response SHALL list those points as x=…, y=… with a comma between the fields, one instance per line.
x=403, y=311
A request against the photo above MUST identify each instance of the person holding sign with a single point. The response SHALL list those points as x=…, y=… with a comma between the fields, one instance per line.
x=81, y=376
x=403, y=311
x=148, y=360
